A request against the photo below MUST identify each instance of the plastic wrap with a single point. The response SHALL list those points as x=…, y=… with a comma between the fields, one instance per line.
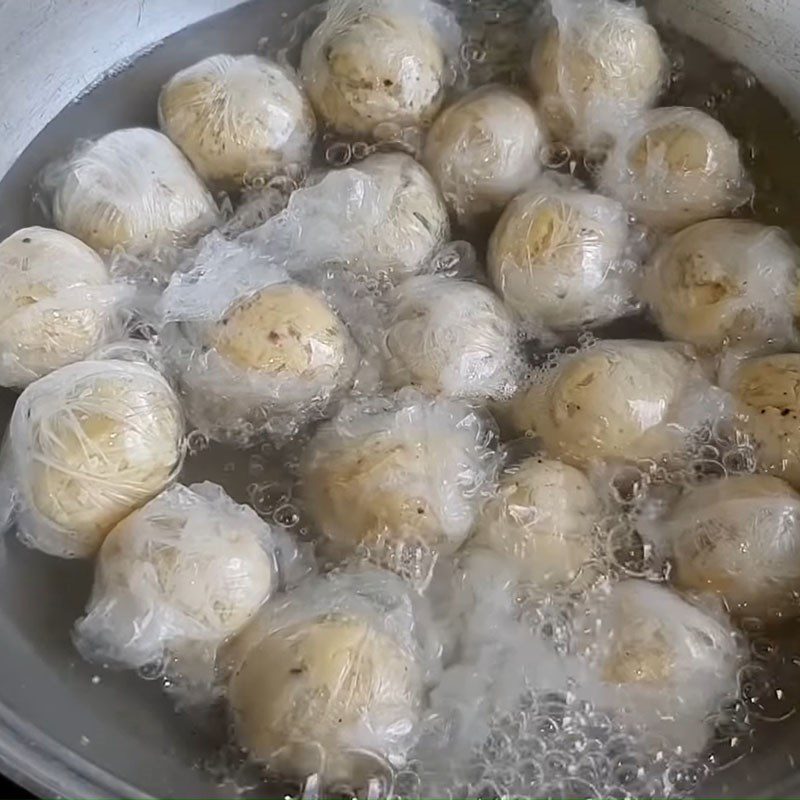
x=737, y=537
x=383, y=215
x=726, y=283
x=597, y=66
x=622, y=400
x=673, y=167
x=766, y=393
x=558, y=257
x=131, y=189
x=255, y=350
x=330, y=680
x=184, y=573
x=452, y=337
x=87, y=445
x=372, y=62
x=238, y=118
x=484, y=150
x=58, y=304
x=395, y=475
x=543, y=519
x=657, y=661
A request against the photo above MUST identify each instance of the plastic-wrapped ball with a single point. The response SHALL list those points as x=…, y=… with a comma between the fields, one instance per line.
x=598, y=67
x=132, y=189
x=377, y=62
x=556, y=256
x=739, y=538
x=674, y=167
x=57, y=306
x=616, y=400
x=484, y=150
x=451, y=337
x=657, y=660
x=725, y=283
x=330, y=681
x=237, y=118
x=90, y=443
x=403, y=472
x=543, y=520
x=767, y=395
x=190, y=567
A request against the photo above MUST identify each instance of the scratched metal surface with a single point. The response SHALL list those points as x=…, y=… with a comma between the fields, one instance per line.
x=61, y=733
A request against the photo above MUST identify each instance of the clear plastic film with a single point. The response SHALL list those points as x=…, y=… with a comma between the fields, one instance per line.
x=544, y=519
x=180, y=576
x=87, y=445
x=596, y=66
x=560, y=257
x=329, y=681
x=131, y=189
x=617, y=400
x=484, y=150
x=451, y=337
x=255, y=350
x=375, y=63
x=726, y=284
x=737, y=537
x=766, y=408
x=399, y=479
x=238, y=118
x=58, y=304
x=384, y=215
x=673, y=167
x=658, y=662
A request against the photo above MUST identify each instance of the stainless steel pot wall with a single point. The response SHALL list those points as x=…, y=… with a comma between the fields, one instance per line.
x=64, y=730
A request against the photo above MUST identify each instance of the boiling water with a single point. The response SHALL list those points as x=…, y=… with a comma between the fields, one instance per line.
x=548, y=742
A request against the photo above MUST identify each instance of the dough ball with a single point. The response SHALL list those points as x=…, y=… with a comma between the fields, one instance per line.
x=238, y=118
x=767, y=395
x=674, y=167
x=658, y=661
x=616, y=400
x=725, y=283
x=405, y=472
x=739, y=538
x=597, y=68
x=90, y=443
x=57, y=305
x=543, y=519
x=132, y=189
x=370, y=63
x=330, y=681
x=484, y=150
x=451, y=337
x=190, y=567
x=555, y=257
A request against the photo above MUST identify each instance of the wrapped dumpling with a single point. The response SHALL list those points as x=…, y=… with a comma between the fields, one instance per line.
x=615, y=400
x=87, y=445
x=557, y=257
x=330, y=681
x=178, y=577
x=673, y=167
x=726, y=283
x=379, y=61
x=58, y=304
x=451, y=337
x=397, y=477
x=237, y=118
x=598, y=65
x=484, y=150
x=131, y=189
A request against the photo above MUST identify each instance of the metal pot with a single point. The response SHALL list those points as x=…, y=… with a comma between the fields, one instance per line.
x=65, y=730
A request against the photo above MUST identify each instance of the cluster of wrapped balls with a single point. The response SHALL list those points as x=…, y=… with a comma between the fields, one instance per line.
x=334, y=319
